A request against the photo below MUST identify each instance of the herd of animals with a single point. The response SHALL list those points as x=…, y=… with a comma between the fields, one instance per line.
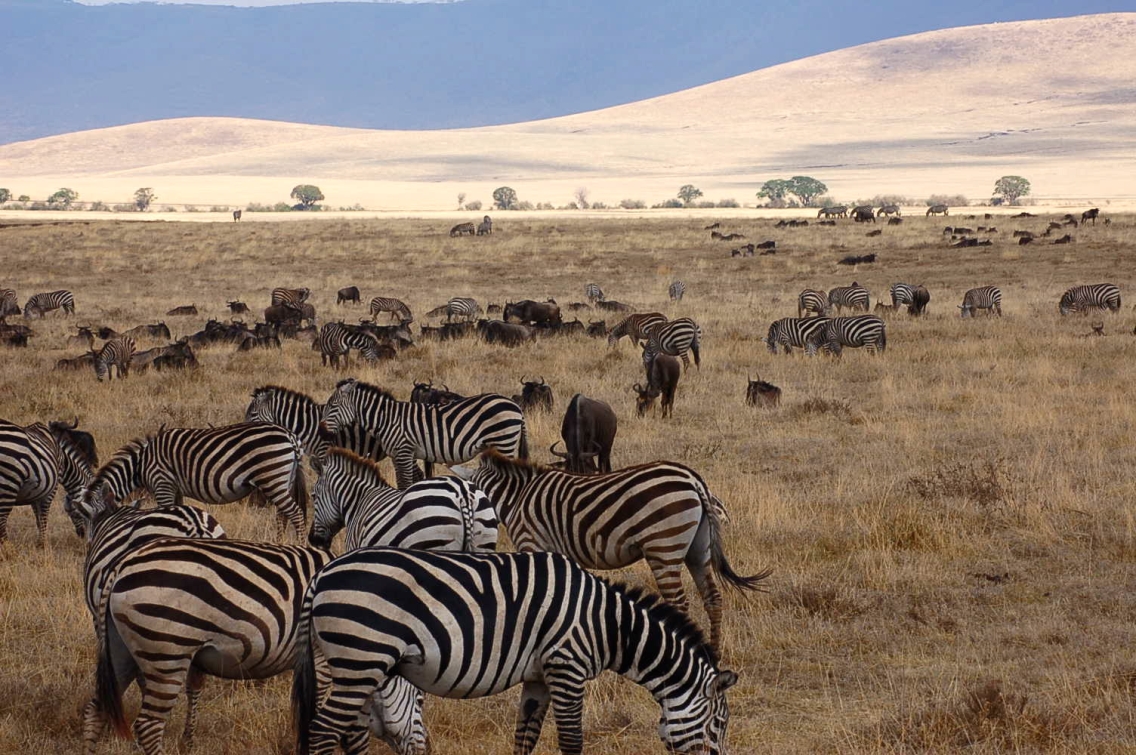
x=421, y=601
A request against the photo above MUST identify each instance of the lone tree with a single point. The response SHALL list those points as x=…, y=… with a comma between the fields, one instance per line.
x=688, y=194
x=64, y=197
x=504, y=198
x=143, y=198
x=776, y=190
x=5, y=195
x=461, y=199
x=807, y=189
x=581, y=195
x=1011, y=188
x=307, y=195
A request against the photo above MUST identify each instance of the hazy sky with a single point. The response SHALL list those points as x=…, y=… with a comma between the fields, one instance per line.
x=244, y=3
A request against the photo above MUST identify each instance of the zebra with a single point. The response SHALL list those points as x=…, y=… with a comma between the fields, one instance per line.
x=462, y=229
x=336, y=340
x=888, y=210
x=636, y=327
x=442, y=513
x=485, y=227
x=291, y=298
x=811, y=300
x=178, y=609
x=429, y=618
x=853, y=297
x=675, y=338
x=938, y=209
x=116, y=353
x=1097, y=296
x=902, y=293
x=792, y=331
x=395, y=308
x=214, y=465
x=660, y=512
x=41, y=304
x=593, y=293
x=9, y=304
x=676, y=291
x=407, y=431
x=986, y=297
x=461, y=306
x=854, y=332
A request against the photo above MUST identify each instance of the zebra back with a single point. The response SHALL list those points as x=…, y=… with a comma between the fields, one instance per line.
x=1095, y=296
x=852, y=297
x=675, y=338
x=636, y=327
x=793, y=331
x=394, y=306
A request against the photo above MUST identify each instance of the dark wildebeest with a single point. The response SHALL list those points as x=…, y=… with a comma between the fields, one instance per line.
x=531, y=312
x=770, y=244
x=597, y=329
x=426, y=393
x=920, y=297
x=1090, y=215
x=588, y=432
x=577, y=306
x=398, y=336
x=504, y=333
x=177, y=357
x=463, y=229
x=157, y=330
x=763, y=394
x=895, y=221
x=1025, y=240
x=237, y=307
x=485, y=227
x=1066, y=239
x=855, y=259
x=662, y=379
x=711, y=227
x=266, y=341
x=874, y=233
x=189, y=310
x=536, y=396
x=349, y=294
x=83, y=339
x=863, y=214
x=236, y=215
x=280, y=314
x=938, y=209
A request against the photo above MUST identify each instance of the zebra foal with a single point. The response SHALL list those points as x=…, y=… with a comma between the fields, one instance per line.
x=336, y=340
x=394, y=307
x=115, y=353
x=636, y=327
x=676, y=291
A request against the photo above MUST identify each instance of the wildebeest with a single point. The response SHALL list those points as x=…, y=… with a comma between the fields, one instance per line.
x=614, y=306
x=597, y=329
x=83, y=339
x=575, y=306
x=1066, y=239
x=662, y=379
x=732, y=236
x=398, y=336
x=463, y=229
x=178, y=357
x=874, y=233
x=895, y=221
x=821, y=222
x=505, y=333
x=588, y=432
x=536, y=395
x=251, y=341
x=532, y=312
x=348, y=294
x=451, y=331
x=854, y=259
x=938, y=209
x=179, y=353
x=237, y=215
x=485, y=227
x=426, y=393
x=1025, y=240
x=188, y=310
x=75, y=364
x=9, y=304
x=920, y=297
x=1025, y=215
x=743, y=251
x=237, y=307
x=1090, y=215
x=763, y=394
x=863, y=214
x=711, y=227
x=157, y=330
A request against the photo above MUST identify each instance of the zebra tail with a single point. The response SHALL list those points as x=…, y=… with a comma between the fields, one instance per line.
x=300, y=486
x=714, y=511
x=523, y=451
x=304, y=679
x=108, y=697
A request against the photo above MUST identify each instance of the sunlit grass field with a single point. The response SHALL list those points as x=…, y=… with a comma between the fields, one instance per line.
x=950, y=524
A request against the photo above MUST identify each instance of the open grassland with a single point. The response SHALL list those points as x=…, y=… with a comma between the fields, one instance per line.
x=950, y=524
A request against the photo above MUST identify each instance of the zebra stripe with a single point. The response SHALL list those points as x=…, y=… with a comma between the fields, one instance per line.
x=407, y=431
x=677, y=290
x=290, y=297
x=593, y=293
x=336, y=340
x=853, y=332
x=116, y=353
x=41, y=304
x=9, y=304
x=1097, y=296
x=176, y=610
x=29, y=473
x=810, y=300
x=396, y=308
x=636, y=327
x=675, y=338
x=792, y=331
x=987, y=297
x=429, y=618
x=214, y=465
x=661, y=512
x=902, y=293
x=852, y=297
x=463, y=307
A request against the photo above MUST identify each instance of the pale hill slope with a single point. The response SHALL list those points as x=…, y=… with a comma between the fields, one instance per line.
x=945, y=111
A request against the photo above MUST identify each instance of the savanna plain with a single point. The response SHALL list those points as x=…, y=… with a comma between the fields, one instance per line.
x=950, y=523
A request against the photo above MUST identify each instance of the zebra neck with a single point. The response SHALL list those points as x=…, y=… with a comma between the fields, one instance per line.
x=651, y=654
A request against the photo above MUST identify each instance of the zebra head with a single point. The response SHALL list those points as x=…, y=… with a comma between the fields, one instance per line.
x=342, y=409
x=117, y=479
x=396, y=717
x=260, y=408
x=696, y=723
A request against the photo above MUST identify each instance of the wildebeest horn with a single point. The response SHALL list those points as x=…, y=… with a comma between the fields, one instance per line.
x=542, y=380
x=552, y=450
x=524, y=380
x=75, y=423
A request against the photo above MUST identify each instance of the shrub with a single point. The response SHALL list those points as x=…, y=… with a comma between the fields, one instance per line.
x=98, y=207
x=40, y=206
x=570, y=206
x=727, y=203
x=668, y=204
x=522, y=205
x=124, y=208
x=169, y=208
x=599, y=205
x=633, y=204
x=544, y=206
x=218, y=208
x=473, y=206
x=952, y=200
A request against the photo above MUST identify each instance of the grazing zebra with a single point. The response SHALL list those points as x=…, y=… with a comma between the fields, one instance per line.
x=441, y=514
x=178, y=609
x=853, y=297
x=660, y=512
x=902, y=293
x=463, y=307
x=554, y=626
x=677, y=290
x=291, y=298
x=407, y=431
x=792, y=331
x=810, y=300
x=986, y=297
x=636, y=327
x=213, y=465
x=1097, y=296
x=675, y=338
x=461, y=229
x=938, y=209
x=116, y=353
x=9, y=304
x=41, y=304
x=336, y=340
x=394, y=307
x=853, y=332
x=888, y=210
x=593, y=293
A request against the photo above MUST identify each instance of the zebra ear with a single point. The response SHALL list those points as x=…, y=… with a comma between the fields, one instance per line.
x=724, y=681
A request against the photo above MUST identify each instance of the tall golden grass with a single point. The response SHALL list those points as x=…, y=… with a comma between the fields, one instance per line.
x=950, y=524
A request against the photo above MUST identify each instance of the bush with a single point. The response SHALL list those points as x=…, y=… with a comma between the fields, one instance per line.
x=473, y=206
x=353, y=208
x=169, y=208
x=124, y=208
x=544, y=206
x=727, y=203
x=884, y=199
x=705, y=204
x=40, y=206
x=633, y=204
x=98, y=207
x=668, y=204
x=217, y=208
x=570, y=206
x=599, y=206
x=952, y=200
x=258, y=207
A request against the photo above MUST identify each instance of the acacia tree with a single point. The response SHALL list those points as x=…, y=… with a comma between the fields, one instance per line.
x=143, y=198
x=775, y=190
x=1011, y=188
x=581, y=196
x=504, y=198
x=5, y=195
x=461, y=199
x=688, y=194
x=307, y=195
x=65, y=197
x=807, y=188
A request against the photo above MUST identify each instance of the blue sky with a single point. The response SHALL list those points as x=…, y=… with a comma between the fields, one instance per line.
x=243, y=3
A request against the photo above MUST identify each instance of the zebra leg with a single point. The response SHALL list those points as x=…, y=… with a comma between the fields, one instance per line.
x=40, y=509
x=194, y=684
x=685, y=361
x=404, y=466
x=698, y=563
x=337, y=717
x=160, y=689
x=530, y=717
x=5, y=512
x=566, y=688
x=668, y=578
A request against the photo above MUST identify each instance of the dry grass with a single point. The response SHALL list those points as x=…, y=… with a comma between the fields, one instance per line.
x=950, y=523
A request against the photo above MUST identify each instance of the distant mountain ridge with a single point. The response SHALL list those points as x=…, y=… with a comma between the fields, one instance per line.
x=71, y=67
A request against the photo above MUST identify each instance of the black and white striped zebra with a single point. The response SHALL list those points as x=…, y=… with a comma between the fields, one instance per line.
x=1084, y=298
x=214, y=465
x=41, y=304
x=9, y=304
x=336, y=340
x=986, y=297
x=429, y=618
x=852, y=297
x=407, y=431
x=291, y=298
x=814, y=301
x=442, y=513
x=789, y=332
x=593, y=293
x=116, y=353
x=637, y=327
x=178, y=609
x=676, y=338
x=462, y=307
x=902, y=293
x=34, y=461
x=866, y=331
x=662, y=513
x=677, y=290
x=394, y=307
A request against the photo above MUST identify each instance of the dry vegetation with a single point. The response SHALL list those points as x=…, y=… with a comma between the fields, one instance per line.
x=950, y=524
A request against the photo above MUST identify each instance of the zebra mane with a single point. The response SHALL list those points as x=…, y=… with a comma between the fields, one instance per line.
x=130, y=450
x=366, y=388
x=361, y=466
x=257, y=393
x=670, y=617
x=507, y=463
